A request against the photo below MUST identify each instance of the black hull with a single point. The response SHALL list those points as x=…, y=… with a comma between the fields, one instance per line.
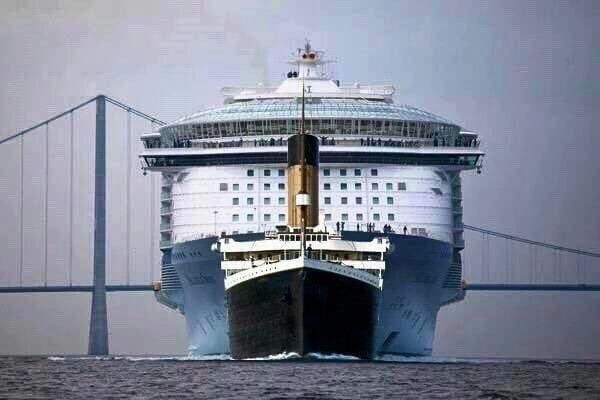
x=302, y=311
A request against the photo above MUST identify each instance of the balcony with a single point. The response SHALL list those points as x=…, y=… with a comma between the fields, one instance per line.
x=165, y=210
x=165, y=195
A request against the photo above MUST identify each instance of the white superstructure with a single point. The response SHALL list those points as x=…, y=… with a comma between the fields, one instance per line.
x=243, y=199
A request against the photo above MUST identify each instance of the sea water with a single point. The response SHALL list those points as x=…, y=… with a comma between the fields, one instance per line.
x=288, y=376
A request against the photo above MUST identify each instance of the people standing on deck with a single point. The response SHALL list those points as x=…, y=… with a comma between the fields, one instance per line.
x=405, y=229
x=337, y=226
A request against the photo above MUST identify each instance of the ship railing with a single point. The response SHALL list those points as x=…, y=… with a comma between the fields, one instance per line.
x=362, y=264
x=192, y=236
x=241, y=264
x=374, y=90
x=372, y=140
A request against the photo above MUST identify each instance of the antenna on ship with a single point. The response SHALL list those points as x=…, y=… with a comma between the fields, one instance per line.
x=302, y=118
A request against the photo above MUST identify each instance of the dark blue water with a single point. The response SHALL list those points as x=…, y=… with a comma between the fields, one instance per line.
x=183, y=378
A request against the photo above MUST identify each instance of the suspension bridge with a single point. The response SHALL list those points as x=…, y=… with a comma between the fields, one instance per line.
x=59, y=180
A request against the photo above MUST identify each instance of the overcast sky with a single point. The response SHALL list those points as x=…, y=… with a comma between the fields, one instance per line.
x=524, y=75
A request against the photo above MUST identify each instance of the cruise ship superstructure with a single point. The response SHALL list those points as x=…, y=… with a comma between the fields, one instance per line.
x=389, y=206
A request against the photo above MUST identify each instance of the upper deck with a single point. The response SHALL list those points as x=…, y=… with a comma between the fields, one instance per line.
x=357, y=121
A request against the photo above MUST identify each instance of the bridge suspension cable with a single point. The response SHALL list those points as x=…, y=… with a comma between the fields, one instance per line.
x=77, y=107
x=533, y=242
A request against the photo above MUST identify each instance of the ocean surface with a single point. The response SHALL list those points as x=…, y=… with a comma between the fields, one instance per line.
x=286, y=377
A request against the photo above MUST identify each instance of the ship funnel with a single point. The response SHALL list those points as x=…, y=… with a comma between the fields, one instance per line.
x=303, y=180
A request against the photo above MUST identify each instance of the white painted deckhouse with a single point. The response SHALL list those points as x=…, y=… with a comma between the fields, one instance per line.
x=382, y=165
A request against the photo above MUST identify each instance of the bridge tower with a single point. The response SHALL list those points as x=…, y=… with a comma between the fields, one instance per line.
x=98, y=340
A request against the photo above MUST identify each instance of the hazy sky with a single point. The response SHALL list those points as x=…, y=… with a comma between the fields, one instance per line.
x=524, y=75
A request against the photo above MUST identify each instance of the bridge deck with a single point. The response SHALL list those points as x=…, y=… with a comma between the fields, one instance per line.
x=470, y=287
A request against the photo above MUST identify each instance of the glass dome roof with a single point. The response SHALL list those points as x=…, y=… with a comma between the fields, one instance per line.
x=315, y=108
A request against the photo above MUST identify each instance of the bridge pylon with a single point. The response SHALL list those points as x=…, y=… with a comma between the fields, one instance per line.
x=98, y=339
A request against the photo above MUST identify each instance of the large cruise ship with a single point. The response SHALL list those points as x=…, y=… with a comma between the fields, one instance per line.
x=388, y=216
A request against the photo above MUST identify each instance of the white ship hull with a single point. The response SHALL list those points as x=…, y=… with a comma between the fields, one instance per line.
x=413, y=286
x=199, y=272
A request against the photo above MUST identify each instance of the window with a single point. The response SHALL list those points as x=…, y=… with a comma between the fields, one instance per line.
x=267, y=172
x=358, y=200
x=344, y=217
x=359, y=217
x=389, y=186
x=250, y=217
x=374, y=186
x=343, y=172
x=343, y=186
x=358, y=186
x=376, y=217
x=250, y=201
x=390, y=200
x=267, y=217
x=327, y=217
x=267, y=201
x=236, y=201
x=267, y=186
x=281, y=172
x=437, y=191
x=401, y=185
x=357, y=172
x=250, y=186
x=281, y=201
x=223, y=187
x=327, y=200
x=373, y=172
x=250, y=172
x=326, y=172
x=281, y=217
x=390, y=217
x=235, y=217
x=327, y=186
x=344, y=200
x=236, y=187
x=375, y=200
x=281, y=186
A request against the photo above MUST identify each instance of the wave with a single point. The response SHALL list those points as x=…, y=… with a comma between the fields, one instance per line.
x=307, y=357
x=276, y=357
